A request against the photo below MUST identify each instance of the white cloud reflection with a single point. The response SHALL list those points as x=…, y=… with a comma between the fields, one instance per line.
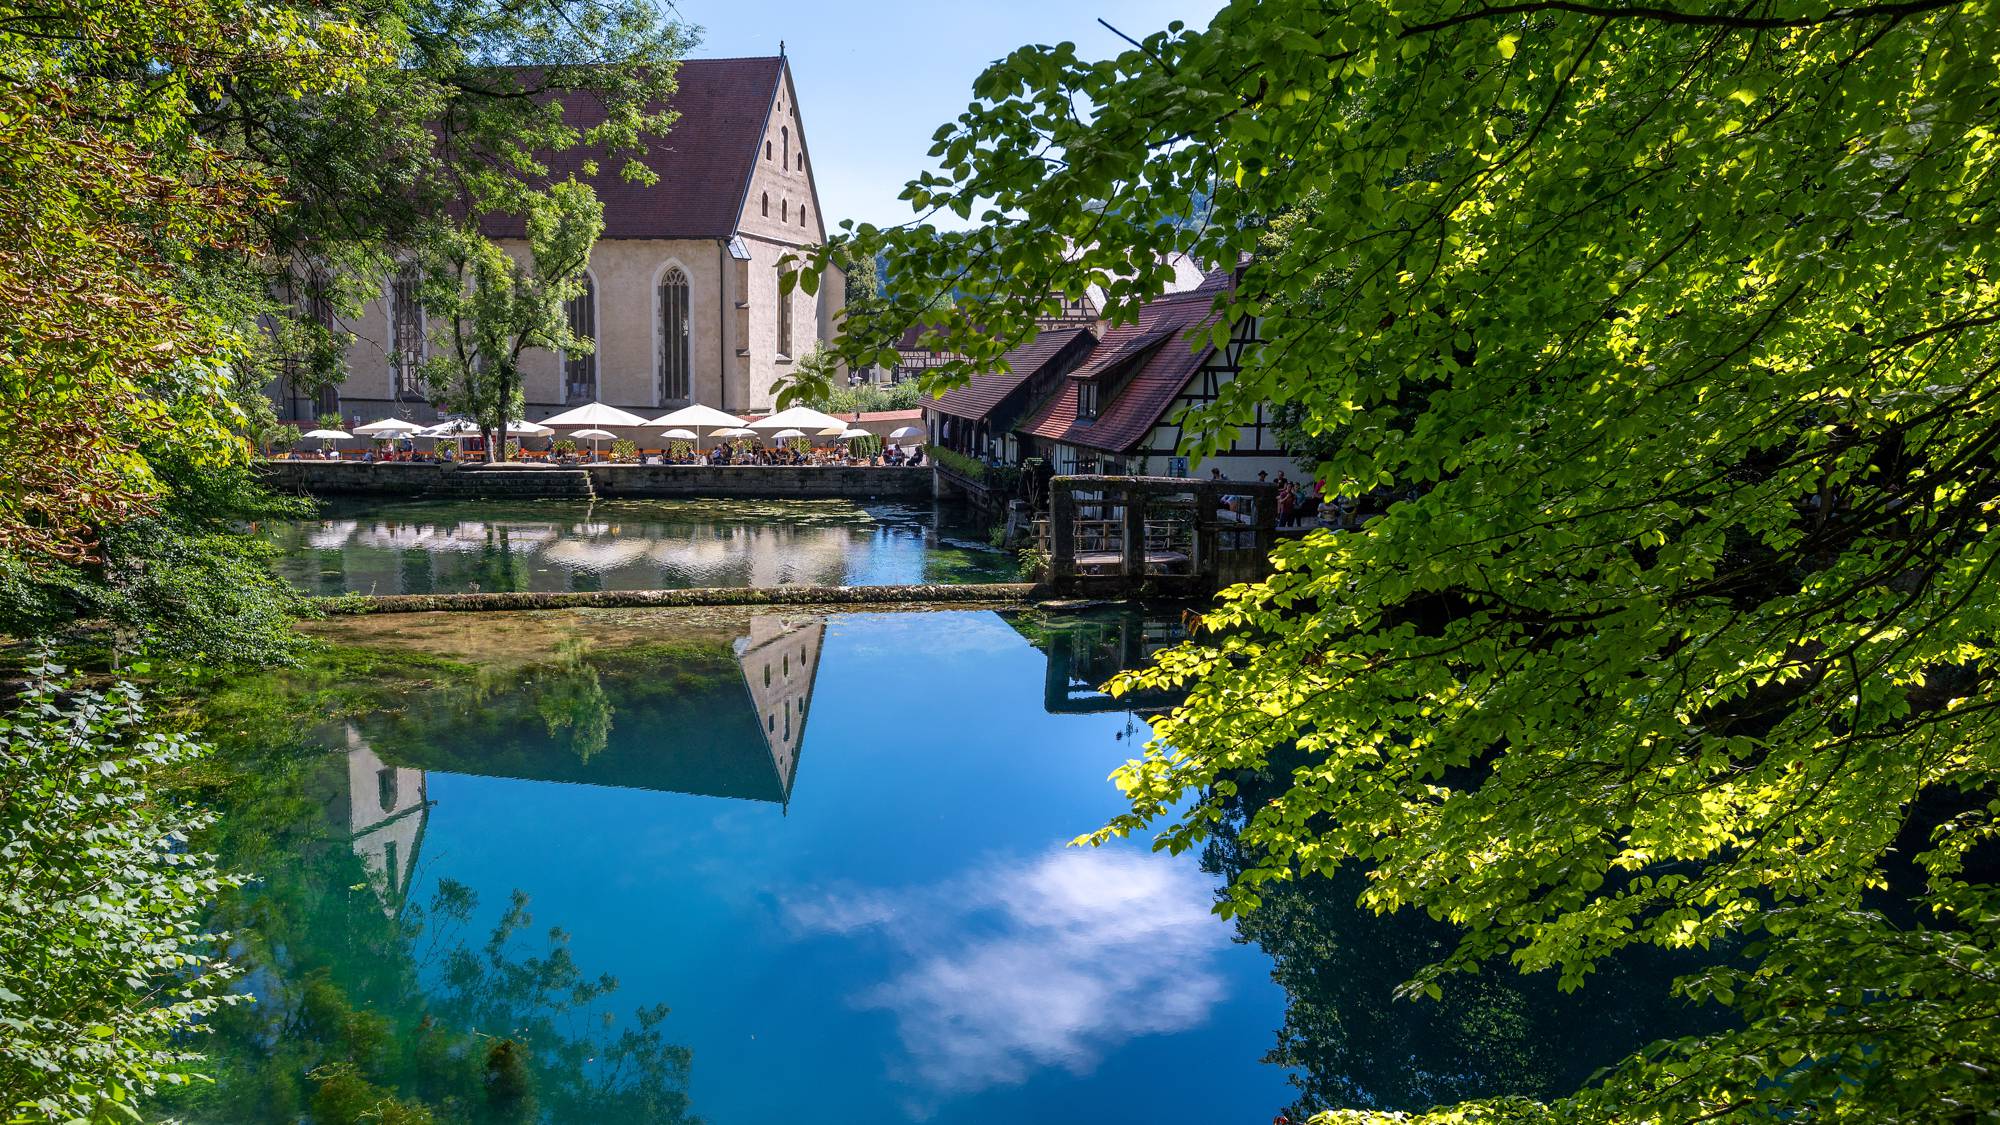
x=1051, y=962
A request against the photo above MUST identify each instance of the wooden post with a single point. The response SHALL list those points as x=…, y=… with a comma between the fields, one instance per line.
x=1062, y=534
x=1201, y=540
x=1135, y=534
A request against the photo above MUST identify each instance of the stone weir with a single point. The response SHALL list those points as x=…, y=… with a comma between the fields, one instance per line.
x=407, y=480
x=989, y=593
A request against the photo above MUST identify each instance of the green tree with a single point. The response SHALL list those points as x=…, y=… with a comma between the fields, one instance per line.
x=1672, y=330
x=110, y=200
x=122, y=336
x=104, y=960
x=487, y=307
x=463, y=124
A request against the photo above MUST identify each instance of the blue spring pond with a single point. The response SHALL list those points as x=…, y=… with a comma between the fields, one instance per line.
x=834, y=848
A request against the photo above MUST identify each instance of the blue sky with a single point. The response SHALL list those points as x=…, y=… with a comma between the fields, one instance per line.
x=877, y=78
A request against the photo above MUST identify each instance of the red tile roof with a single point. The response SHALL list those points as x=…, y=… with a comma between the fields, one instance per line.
x=883, y=416
x=911, y=415
x=977, y=398
x=704, y=163
x=1142, y=365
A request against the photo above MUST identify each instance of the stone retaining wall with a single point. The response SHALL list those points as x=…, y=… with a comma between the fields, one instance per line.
x=349, y=478
x=761, y=482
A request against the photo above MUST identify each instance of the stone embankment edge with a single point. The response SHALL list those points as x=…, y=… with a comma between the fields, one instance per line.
x=988, y=593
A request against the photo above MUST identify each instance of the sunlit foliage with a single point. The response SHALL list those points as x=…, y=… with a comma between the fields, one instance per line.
x=1656, y=344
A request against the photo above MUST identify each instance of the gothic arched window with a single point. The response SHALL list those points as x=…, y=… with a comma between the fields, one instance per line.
x=767, y=204
x=785, y=210
x=406, y=334
x=784, y=323
x=785, y=135
x=580, y=371
x=675, y=344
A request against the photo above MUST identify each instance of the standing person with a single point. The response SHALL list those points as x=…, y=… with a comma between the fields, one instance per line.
x=1288, y=501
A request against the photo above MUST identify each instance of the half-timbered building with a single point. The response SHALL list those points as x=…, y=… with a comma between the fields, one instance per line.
x=977, y=419
x=1119, y=410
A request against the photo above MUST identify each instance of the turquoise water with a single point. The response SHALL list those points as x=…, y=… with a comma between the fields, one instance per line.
x=833, y=848
x=436, y=547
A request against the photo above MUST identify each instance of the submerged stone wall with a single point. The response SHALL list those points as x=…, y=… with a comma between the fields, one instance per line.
x=758, y=482
x=991, y=593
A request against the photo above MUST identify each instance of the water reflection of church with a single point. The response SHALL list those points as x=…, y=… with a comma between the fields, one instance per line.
x=739, y=737
x=780, y=661
x=381, y=809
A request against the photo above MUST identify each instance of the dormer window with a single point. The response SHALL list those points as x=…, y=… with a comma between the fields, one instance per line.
x=1086, y=400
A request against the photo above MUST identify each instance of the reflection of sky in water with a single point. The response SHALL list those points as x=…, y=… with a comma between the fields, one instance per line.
x=909, y=940
x=445, y=547
x=1050, y=961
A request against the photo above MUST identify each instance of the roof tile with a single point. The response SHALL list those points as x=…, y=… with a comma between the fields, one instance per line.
x=984, y=391
x=1156, y=359
x=704, y=162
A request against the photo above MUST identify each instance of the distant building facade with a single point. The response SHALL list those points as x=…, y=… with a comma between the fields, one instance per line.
x=1107, y=399
x=683, y=295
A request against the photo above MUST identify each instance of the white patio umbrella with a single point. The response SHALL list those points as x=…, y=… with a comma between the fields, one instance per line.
x=853, y=432
x=697, y=417
x=595, y=414
x=700, y=420
x=735, y=432
x=388, y=428
x=522, y=428
x=906, y=432
x=787, y=435
x=325, y=435
x=681, y=435
x=453, y=429
x=595, y=436
x=799, y=418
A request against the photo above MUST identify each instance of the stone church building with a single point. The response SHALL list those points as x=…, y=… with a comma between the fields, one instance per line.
x=683, y=297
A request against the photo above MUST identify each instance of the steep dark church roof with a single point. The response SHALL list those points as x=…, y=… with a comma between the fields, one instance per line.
x=704, y=163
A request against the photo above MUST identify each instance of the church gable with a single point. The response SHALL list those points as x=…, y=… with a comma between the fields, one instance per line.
x=782, y=203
